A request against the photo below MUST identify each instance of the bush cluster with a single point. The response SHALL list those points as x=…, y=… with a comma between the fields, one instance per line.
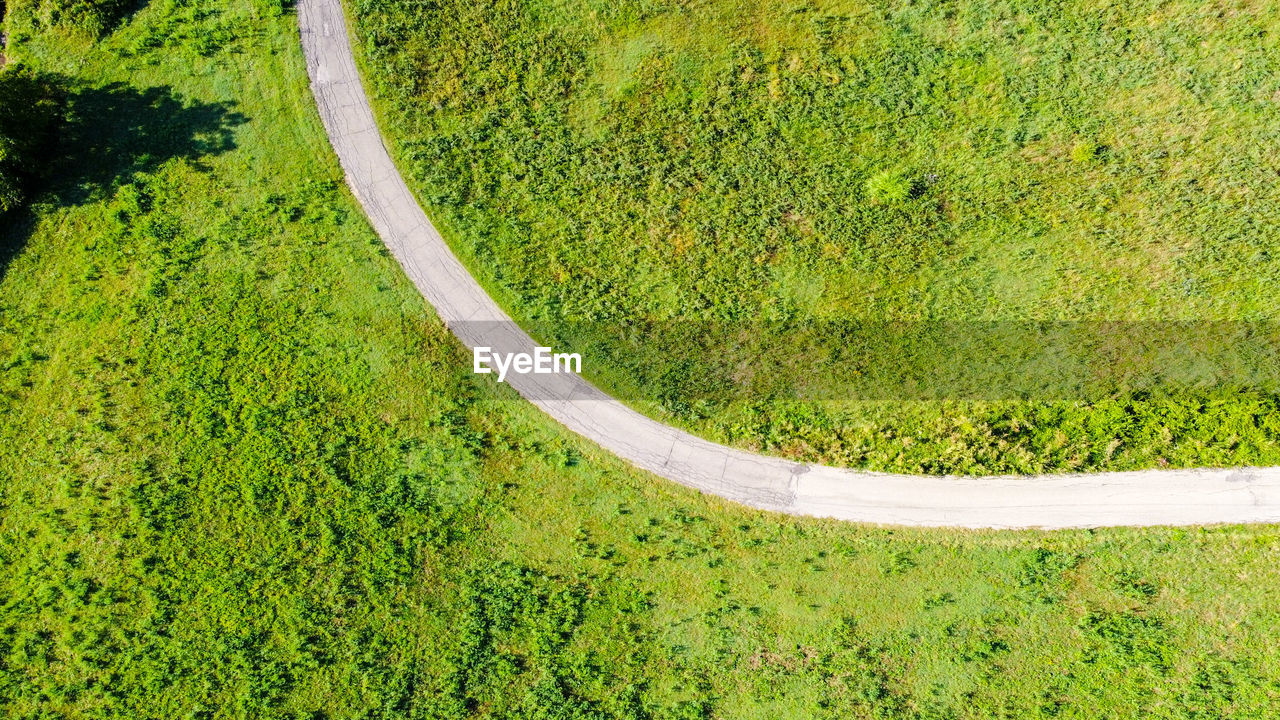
x=93, y=18
x=27, y=113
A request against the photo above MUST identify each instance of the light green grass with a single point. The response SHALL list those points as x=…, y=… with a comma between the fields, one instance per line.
x=712, y=200
x=245, y=474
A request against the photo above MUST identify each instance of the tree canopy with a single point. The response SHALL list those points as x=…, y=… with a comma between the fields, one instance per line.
x=90, y=17
x=27, y=110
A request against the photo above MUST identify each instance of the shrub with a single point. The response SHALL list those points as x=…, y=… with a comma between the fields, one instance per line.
x=27, y=111
x=93, y=18
x=1085, y=152
x=889, y=187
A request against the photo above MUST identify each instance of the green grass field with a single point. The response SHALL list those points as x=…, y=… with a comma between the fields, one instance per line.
x=774, y=223
x=244, y=473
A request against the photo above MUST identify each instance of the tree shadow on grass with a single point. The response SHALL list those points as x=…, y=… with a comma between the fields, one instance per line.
x=110, y=134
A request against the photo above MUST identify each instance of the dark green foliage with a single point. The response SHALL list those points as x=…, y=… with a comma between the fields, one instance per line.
x=517, y=652
x=28, y=112
x=1041, y=574
x=90, y=18
x=1212, y=692
x=1127, y=639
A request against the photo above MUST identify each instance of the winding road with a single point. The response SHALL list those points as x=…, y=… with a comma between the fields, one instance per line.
x=1150, y=497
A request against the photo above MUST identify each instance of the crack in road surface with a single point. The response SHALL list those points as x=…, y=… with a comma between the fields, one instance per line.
x=1148, y=497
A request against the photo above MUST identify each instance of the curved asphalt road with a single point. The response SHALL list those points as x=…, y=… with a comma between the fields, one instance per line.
x=1182, y=497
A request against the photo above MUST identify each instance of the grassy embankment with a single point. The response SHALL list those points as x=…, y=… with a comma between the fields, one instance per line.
x=723, y=204
x=244, y=473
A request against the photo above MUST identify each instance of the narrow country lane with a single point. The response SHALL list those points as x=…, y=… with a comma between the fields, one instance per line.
x=1151, y=497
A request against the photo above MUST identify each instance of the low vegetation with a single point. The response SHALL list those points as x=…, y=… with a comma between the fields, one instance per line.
x=245, y=473
x=83, y=18
x=775, y=222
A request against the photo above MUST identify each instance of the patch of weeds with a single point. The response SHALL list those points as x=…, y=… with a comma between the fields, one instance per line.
x=1130, y=584
x=897, y=563
x=1040, y=574
x=938, y=600
x=890, y=187
x=1087, y=152
x=1128, y=639
x=1212, y=692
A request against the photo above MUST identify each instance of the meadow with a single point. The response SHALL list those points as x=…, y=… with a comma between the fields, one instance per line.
x=916, y=236
x=245, y=473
